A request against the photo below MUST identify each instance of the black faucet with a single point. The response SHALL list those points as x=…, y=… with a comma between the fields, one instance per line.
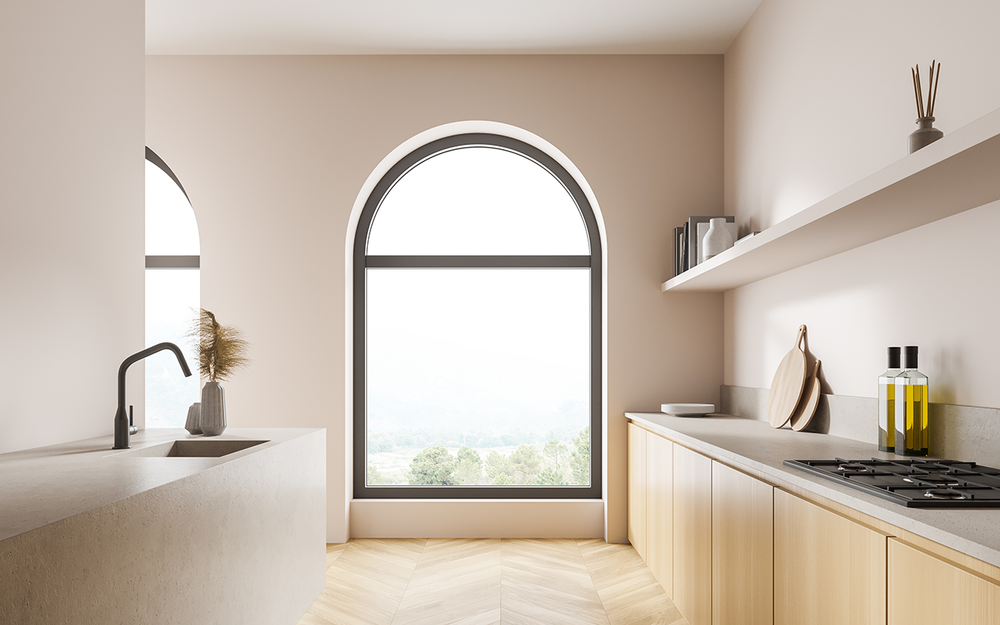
x=123, y=424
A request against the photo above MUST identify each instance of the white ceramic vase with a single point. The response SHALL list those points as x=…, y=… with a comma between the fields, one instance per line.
x=717, y=239
x=213, y=409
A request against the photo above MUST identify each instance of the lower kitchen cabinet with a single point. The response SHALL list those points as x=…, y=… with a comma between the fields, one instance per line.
x=692, y=535
x=828, y=569
x=742, y=548
x=730, y=549
x=637, y=488
x=956, y=597
x=660, y=510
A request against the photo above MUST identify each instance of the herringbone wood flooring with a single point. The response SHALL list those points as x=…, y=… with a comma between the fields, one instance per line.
x=442, y=581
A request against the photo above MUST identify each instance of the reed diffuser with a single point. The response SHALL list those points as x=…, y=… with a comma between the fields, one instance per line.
x=926, y=133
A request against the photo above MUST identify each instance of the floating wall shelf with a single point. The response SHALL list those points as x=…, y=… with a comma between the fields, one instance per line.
x=956, y=173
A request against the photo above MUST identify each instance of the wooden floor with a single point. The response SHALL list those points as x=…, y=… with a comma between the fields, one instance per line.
x=483, y=582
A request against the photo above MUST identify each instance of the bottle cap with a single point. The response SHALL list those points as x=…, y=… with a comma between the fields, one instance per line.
x=894, y=357
x=910, y=357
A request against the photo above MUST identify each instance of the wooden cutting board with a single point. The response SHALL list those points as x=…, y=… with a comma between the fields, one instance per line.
x=787, y=385
x=807, y=405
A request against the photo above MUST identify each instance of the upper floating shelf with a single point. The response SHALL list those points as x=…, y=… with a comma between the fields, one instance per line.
x=954, y=174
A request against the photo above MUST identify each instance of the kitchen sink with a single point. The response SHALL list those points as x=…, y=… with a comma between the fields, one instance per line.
x=192, y=449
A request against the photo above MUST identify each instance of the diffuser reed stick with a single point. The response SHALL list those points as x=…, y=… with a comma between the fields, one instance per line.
x=916, y=93
x=934, y=79
x=933, y=96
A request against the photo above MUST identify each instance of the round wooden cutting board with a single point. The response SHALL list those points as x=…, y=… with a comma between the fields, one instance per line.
x=787, y=385
x=810, y=400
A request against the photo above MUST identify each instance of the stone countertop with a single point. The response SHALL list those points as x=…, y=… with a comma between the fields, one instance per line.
x=755, y=445
x=47, y=484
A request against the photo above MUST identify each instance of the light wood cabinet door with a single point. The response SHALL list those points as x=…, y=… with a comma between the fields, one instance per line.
x=828, y=570
x=742, y=548
x=924, y=590
x=659, y=510
x=637, y=489
x=692, y=539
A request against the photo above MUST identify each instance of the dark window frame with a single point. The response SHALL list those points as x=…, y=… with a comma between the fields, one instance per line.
x=362, y=262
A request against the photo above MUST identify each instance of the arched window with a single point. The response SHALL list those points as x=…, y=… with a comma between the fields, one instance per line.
x=477, y=327
x=172, y=294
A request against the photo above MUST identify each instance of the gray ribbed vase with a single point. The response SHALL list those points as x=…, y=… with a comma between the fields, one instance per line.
x=213, y=409
x=193, y=424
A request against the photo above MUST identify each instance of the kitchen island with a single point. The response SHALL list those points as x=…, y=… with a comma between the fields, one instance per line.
x=94, y=535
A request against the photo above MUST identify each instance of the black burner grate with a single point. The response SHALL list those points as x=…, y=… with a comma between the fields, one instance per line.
x=915, y=482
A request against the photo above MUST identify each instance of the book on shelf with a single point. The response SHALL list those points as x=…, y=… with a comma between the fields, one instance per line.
x=679, y=251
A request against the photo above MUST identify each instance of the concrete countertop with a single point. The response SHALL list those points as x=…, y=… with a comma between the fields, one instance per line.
x=756, y=445
x=48, y=484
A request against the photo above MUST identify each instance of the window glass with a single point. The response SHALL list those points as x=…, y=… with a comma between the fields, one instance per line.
x=478, y=200
x=172, y=297
x=172, y=300
x=493, y=365
x=171, y=228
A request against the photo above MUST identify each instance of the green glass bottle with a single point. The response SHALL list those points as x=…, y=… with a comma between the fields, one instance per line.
x=887, y=403
x=911, y=407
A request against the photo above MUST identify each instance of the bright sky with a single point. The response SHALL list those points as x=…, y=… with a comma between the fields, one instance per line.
x=478, y=200
x=478, y=349
x=171, y=228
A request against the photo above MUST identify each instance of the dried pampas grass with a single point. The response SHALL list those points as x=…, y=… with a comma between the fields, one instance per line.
x=222, y=350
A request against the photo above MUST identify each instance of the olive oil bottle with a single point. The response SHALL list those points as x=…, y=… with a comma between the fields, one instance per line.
x=887, y=403
x=911, y=407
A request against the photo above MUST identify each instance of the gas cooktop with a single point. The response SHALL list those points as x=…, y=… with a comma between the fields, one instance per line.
x=914, y=483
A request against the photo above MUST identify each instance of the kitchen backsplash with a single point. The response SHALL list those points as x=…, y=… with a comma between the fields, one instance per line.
x=956, y=432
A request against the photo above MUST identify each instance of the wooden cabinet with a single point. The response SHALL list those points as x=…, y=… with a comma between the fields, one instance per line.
x=650, y=502
x=660, y=510
x=955, y=596
x=637, y=489
x=742, y=548
x=730, y=549
x=827, y=569
x=692, y=535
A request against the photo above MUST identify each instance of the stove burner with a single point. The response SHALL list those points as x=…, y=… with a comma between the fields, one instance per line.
x=944, y=493
x=852, y=466
x=933, y=479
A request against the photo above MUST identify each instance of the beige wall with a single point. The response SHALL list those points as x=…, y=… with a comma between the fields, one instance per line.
x=818, y=96
x=273, y=152
x=71, y=216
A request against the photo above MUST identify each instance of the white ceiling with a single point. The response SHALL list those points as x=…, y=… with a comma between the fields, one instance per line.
x=444, y=26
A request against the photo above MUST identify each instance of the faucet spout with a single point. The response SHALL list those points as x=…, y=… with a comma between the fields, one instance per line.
x=121, y=418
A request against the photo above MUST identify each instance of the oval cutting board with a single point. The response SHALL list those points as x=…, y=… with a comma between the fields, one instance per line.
x=810, y=400
x=787, y=385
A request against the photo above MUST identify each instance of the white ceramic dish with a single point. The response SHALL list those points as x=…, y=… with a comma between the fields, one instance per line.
x=687, y=410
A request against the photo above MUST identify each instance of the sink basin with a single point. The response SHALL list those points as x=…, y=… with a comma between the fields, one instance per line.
x=193, y=449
